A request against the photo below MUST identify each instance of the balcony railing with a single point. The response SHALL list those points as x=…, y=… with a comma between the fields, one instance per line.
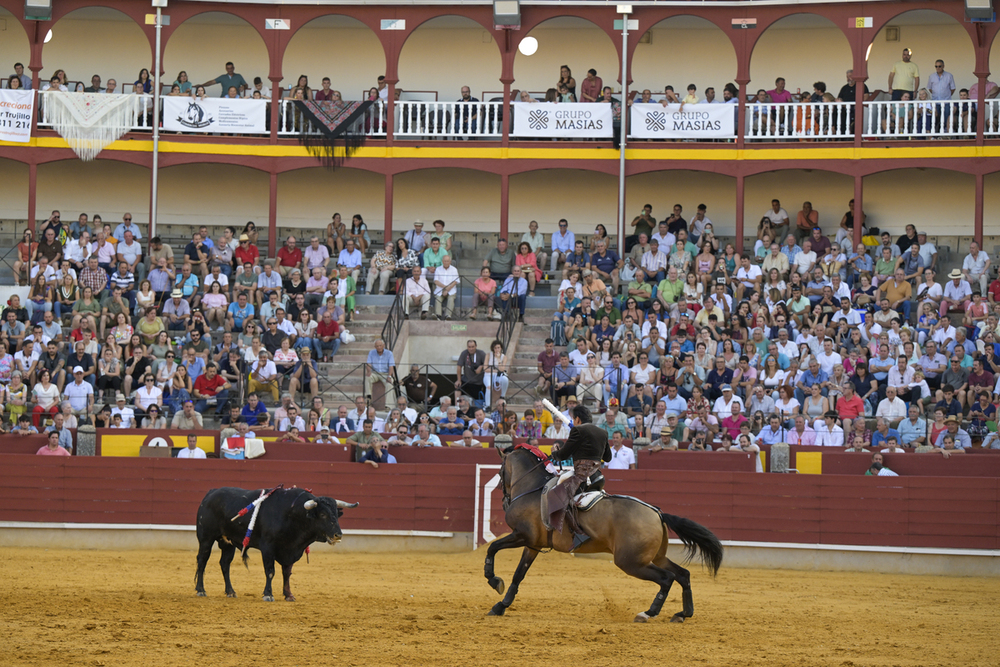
x=291, y=121
x=448, y=120
x=143, y=121
x=764, y=122
x=801, y=121
x=915, y=119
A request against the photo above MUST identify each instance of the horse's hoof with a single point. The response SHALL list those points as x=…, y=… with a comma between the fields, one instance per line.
x=497, y=610
x=200, y=594
x=498, y=585
x=268, y=598
x=677, y=618
x=641, y=617
x=289, y=598
x=231, y=594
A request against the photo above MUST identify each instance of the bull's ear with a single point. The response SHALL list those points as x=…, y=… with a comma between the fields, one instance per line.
x=340, y=512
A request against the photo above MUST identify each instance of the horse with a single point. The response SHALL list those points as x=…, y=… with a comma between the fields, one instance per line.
x=633, y=531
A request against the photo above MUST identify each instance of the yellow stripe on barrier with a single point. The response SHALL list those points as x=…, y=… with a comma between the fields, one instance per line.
x=496, y=152
x=809, y=463
x=128, y=444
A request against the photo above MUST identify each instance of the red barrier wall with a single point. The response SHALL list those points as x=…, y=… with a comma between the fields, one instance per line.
x=22, y=444
x=824, y=509
x=681, y=460
x=827, y=509
x=168, y=491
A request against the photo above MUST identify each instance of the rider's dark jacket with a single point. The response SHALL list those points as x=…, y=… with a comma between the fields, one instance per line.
x=585, y=442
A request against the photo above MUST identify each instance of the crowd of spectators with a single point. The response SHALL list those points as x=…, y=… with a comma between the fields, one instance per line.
x=119, y=331
x=803, y=339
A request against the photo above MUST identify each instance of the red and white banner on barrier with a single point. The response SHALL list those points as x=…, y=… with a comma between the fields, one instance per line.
x=489, y=520
x=16, y=109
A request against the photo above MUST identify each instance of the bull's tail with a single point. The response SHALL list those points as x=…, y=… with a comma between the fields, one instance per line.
x=697, y=540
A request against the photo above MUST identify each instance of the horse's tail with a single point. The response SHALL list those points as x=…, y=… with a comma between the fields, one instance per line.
x=697, y=540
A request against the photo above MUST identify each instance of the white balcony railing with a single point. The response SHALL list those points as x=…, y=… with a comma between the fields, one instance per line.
x=415, y=120
x=954, y=119
x=291, y=120
x=764, y=122
x=143, y=120
x=448, y=120
x=808, y=121
x=991, y=127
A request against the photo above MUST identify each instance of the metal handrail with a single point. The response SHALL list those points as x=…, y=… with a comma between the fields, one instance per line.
x=508, y=321
x=394, y=322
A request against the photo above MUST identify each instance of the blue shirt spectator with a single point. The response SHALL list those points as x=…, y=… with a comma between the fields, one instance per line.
x=381, y=363
x=240, y=313
x=790, y=251
x=605, y=263
x=253, y=409
x=879, y=440
x=518, y=286
x=120, y=230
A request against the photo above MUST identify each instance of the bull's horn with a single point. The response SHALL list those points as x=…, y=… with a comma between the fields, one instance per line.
x=310, y=504
x=341, y=504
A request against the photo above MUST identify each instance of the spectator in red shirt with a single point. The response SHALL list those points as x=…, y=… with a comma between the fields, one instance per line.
x=289, y=257
x=211, y=385
x=547, y=360
x=850, y=406
x=993, y=293
x=328, y=334
x=247, y=252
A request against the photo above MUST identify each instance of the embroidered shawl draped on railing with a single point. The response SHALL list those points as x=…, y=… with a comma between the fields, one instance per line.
x=89, y=122
x=341, y=124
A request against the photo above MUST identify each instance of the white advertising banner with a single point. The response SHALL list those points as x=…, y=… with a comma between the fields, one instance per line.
x=694, y=121
x=214, y=114
x=16, y=109
x=571, y=120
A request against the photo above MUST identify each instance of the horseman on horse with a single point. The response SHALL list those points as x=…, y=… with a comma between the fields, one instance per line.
x=588, y=446
x=635, y=532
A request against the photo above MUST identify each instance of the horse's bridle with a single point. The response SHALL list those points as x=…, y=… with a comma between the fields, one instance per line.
x=507, y=500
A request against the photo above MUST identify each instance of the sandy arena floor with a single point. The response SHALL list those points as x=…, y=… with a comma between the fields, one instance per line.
x=139, y=608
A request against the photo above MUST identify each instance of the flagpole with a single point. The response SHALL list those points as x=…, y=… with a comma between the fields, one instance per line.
x=624, y=11
x=159, y=4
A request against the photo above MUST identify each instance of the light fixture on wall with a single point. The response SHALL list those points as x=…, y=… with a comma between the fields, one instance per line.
x=506, y=14
x=37, y=10
x=48, y=36
x=979, y=9
x=528, y=46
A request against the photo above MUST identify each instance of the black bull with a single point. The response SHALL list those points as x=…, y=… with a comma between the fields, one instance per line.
x=289, y=521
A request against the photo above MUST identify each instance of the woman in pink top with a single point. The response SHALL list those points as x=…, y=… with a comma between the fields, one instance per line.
x=590, y=89
x=529, y=264
x=486, y=287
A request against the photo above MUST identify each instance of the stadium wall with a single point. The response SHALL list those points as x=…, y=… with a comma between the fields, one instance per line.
x=433, y=506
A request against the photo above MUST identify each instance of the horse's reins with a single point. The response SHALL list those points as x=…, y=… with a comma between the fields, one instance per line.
x=527, y=472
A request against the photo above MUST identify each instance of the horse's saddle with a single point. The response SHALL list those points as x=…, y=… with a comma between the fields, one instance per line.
x=554, y=499
x=586, y=501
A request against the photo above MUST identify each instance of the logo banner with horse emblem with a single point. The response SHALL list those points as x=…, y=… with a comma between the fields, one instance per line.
x=572, y=120
x=688, y=121
x=214, y=114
